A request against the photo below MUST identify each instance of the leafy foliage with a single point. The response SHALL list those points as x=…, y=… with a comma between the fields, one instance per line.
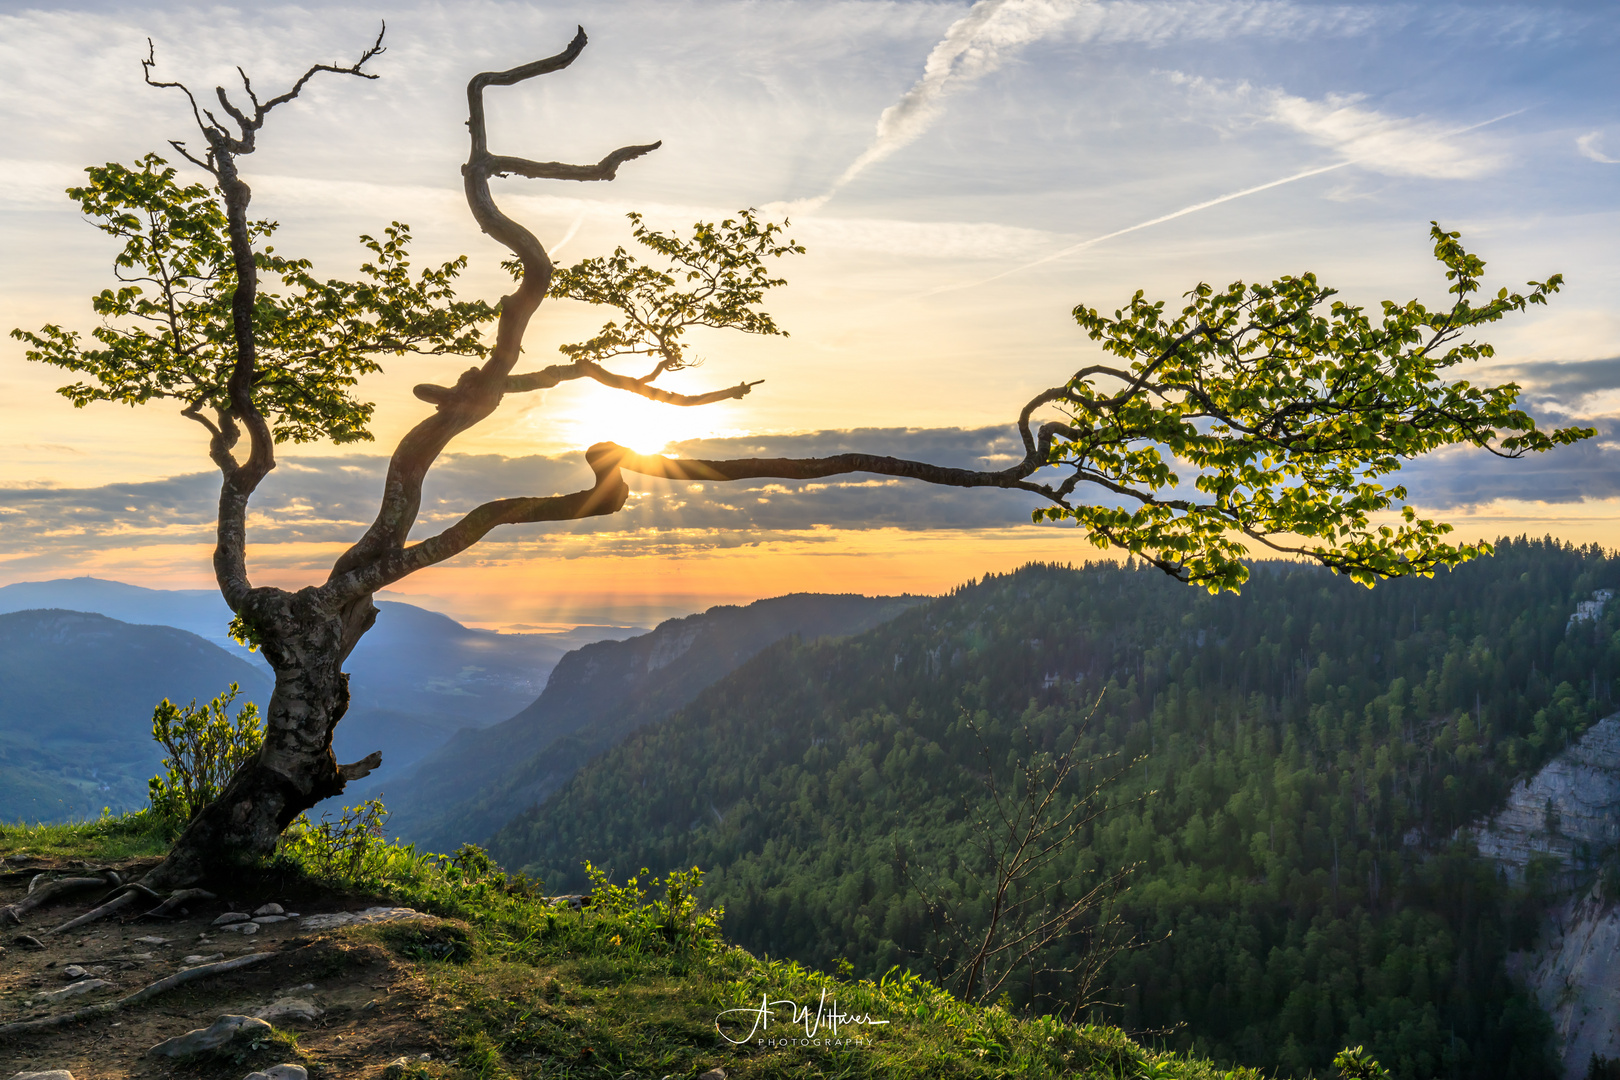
x=337, y=850
x=205, y=747
x=1308, y=749
x=1289, y=416
x=167, y=328
x=1355, y=1064
x=674, y=919
x=722, y=267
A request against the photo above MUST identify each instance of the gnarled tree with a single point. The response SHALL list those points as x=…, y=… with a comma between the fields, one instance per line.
x=1287, y=405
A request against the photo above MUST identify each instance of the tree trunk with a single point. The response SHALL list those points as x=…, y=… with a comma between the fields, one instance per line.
x=306, y=640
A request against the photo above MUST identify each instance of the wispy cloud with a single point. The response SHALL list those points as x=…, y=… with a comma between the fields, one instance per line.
x=1591, y=145
x=975, y=45
x=1392, y=145
x=1372, y=140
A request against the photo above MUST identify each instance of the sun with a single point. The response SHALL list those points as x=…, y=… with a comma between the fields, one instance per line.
x=598, y=414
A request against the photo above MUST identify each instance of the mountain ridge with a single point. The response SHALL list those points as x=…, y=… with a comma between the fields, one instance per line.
x=596, y=696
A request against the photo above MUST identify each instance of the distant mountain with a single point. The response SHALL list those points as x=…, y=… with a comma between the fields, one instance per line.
x=199, y=611
x=76, y=698
x=417, y=677
x=596, y=697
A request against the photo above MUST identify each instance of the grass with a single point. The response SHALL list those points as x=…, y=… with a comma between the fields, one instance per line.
x=640, y=981
x=110, y=838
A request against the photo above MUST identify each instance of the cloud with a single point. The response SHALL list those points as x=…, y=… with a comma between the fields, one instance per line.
x=1581, y=387
x=331, y=500
x=975, y=45
x=1568, y=474
x=1392, y=145
x=1376, y=141
x=1590, y=145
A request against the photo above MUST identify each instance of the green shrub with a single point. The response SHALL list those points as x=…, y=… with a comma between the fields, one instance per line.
x=205, y=748
x=1357, y=1064
x=675, y=919
x=337, y=850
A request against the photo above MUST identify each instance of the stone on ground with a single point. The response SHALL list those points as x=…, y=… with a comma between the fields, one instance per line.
x=83, y=986
x=223, y=1032
x=335, y=919
x=290, y=1008
x=280, y=1072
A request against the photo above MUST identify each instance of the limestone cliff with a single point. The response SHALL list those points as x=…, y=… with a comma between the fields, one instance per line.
x=1569, y=813
x=1570, y=810
x=1574, y=971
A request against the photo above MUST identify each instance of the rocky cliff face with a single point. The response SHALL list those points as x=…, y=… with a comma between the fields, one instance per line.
x=1575, y=974
x=1569, y=811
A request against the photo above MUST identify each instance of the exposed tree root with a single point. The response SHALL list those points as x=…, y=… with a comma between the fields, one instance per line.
x=120, y=900
x=175, y=900
x=90, y=1012
x=40, y=894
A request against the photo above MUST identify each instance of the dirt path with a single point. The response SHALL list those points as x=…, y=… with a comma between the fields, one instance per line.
x=371, y=1001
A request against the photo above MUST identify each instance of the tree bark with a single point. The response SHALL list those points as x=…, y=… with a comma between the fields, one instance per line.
x=305, y=638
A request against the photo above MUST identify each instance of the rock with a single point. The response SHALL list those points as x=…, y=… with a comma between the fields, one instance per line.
x=265, y=920
x=290, y=1008
x=197, y=958
x=1575, y=974
x=83, y=986
x=336, y=919
x=52, y=1074
x=223, y=1032
x=271, y=909
x=280, y=1072
x=242, y=928
x=152, y=940
x=1574, y=801
x=574, y=901
x=28, y=941
x=74, y=971
x=713, y=1074
x=232, y=917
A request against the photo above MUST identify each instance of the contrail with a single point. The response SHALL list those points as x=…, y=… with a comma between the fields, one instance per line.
x=1205, y=205
x=573, y=230
x=1184, y=211
x=973, y=46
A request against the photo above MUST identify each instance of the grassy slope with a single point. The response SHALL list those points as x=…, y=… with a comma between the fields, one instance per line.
x=515, y=987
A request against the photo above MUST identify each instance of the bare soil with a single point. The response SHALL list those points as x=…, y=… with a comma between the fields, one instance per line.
x=375, y=1000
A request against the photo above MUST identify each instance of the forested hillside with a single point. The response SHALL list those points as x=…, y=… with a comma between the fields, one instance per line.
x=76, y=698
x=1306, y=751
x=594, y=699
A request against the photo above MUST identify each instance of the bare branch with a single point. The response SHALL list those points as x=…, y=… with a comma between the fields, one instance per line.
x=640, y=386
x=606, y=169
x=479, y=390
x=817, y=468
x=606, y=497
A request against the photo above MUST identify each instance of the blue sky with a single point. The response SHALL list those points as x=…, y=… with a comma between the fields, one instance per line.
x=963, y=175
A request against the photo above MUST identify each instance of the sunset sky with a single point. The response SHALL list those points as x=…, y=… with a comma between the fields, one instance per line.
x=962, y=175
